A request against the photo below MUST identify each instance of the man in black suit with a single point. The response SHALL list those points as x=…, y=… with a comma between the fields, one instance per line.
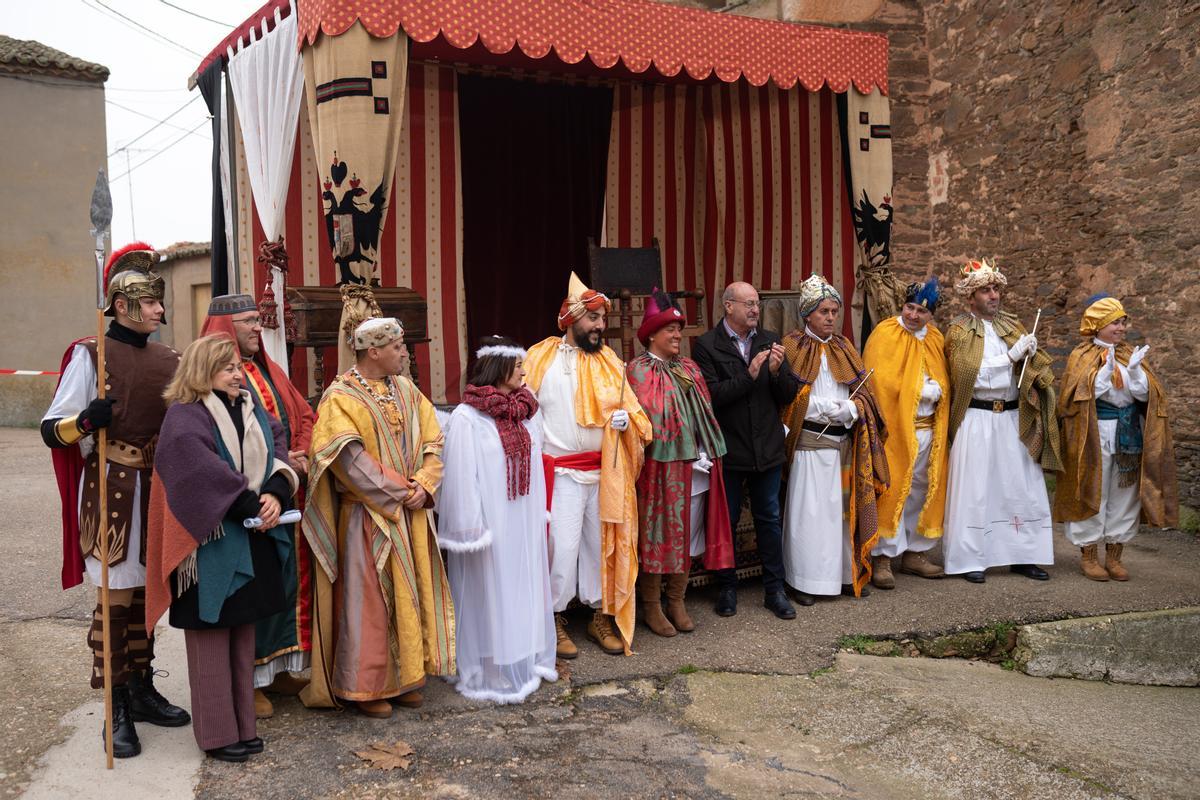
x=750, y=383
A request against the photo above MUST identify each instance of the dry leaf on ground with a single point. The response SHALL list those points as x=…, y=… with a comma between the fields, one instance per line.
x=563, y=668
x=387, y=756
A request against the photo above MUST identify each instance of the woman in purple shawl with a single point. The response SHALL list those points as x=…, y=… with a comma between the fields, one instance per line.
x=216, y=466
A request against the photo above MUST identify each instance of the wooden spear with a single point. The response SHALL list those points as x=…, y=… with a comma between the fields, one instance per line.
x=101, y=213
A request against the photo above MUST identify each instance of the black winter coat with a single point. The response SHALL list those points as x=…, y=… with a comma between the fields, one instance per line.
x=748, y=410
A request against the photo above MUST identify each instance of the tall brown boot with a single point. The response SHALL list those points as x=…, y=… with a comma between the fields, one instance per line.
x=1112, y=561
x=881, y=573
x=650, y=593
x=1089, y=564
x=676, y=610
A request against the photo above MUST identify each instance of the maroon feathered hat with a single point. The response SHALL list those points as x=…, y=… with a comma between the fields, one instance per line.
x=661, y=311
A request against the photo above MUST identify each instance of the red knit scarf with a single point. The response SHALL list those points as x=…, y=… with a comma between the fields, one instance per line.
x=509, y=411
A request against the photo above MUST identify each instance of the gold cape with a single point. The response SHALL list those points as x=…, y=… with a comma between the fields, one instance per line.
x=868, y=466
x=901, y=361
x=1077, y=494
x=597, y=394
x=1037, y=426
x=407, y=558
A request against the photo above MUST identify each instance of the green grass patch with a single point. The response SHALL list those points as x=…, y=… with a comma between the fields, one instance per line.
x=1001, y=630
x=857, y=643
x=1189, y=519
x=687, y=669
x=816, y=673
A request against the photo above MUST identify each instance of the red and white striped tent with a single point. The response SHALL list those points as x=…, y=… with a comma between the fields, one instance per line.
x=522, y=123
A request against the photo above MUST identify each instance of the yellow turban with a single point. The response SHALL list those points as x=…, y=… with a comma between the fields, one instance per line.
x=1100, y=313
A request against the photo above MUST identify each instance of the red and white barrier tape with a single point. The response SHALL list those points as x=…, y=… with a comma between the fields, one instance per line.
x=29, y=372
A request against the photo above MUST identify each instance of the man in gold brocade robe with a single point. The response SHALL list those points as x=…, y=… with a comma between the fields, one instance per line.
x=383, y=618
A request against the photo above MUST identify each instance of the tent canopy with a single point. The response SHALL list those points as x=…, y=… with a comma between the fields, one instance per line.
x=619, y=38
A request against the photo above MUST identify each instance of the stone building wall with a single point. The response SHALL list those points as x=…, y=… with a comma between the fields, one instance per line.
x=1060, y=137
x=1069, y=133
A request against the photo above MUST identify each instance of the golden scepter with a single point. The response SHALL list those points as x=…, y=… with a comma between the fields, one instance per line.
x=1025, y=364
x=851, y=397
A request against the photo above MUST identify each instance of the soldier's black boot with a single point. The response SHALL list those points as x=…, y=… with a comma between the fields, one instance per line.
x=125, y=738
x=148, y=705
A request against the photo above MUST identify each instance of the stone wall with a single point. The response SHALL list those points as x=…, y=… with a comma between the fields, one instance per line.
x=1069, y=134
x=1060, y=137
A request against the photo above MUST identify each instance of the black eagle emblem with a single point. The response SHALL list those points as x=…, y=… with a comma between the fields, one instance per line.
x=873, y=227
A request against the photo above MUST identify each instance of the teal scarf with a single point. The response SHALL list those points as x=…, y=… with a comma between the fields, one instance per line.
x=223, y=563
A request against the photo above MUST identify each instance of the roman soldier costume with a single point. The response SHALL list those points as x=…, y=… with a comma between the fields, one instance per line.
x=136, y=371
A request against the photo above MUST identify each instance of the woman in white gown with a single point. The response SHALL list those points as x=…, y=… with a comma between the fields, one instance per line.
x=492, y=520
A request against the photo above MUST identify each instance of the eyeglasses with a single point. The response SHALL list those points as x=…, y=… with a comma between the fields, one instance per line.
x=751, y=304
x=250, y=322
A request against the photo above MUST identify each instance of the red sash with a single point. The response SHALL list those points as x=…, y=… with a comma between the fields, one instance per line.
x=584, y=462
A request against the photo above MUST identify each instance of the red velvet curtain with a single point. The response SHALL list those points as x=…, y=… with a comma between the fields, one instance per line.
x=533, y=179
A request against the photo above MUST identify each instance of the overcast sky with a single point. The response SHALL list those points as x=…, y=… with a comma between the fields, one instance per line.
x=168, y=197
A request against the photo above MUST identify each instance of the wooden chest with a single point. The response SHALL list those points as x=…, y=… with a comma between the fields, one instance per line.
x=318, y=311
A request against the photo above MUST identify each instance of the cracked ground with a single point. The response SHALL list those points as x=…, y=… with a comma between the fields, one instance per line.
x=748, y=706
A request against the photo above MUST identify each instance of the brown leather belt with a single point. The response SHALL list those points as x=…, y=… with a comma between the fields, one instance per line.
x=128, y=455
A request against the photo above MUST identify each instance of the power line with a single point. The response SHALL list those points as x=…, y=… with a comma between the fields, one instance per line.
x=160, y=152
x=140, y=114
x=108, y=88
x=139, y=25
x=194, y=14
x=156, y=125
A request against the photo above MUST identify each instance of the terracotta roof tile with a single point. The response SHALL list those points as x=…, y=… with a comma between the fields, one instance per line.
x=25, y=56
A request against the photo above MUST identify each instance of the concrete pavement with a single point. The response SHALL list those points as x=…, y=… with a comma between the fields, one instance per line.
x=719, y=712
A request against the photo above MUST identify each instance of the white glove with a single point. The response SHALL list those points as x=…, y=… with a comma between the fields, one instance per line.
x=1025, y=346
x=703, y=463
x=825, y=408
x=1104, y=375
x=931, y=391
x=619, y=420
x=1138, y=356
x=846, y=413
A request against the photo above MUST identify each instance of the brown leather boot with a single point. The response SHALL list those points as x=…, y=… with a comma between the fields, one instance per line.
x=676, y=610
x=565, y=647
x=413, y=699
x=379, y=709
x=1089, y=565
x=1112, y=562
x=919, y=564
x=649, y=588
x=881, y=573
x=600, y=631
x=262, y=705
x=288, y=684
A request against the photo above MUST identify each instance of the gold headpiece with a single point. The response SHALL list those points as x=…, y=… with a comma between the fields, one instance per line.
x=129, y=272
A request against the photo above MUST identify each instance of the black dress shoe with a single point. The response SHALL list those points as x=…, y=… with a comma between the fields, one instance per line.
x=803, y=598
x=777, y=603
x=125, y=738
x=726, y=602
x=254, y=746
x=974, y=577
x=150, y=706
x=234, y=753
x=848, y=590
x=1030, y=571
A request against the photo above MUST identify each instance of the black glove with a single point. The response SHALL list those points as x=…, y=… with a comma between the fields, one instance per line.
x=97, y=415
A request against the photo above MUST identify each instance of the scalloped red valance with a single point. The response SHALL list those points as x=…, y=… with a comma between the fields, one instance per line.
x=637, y=33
